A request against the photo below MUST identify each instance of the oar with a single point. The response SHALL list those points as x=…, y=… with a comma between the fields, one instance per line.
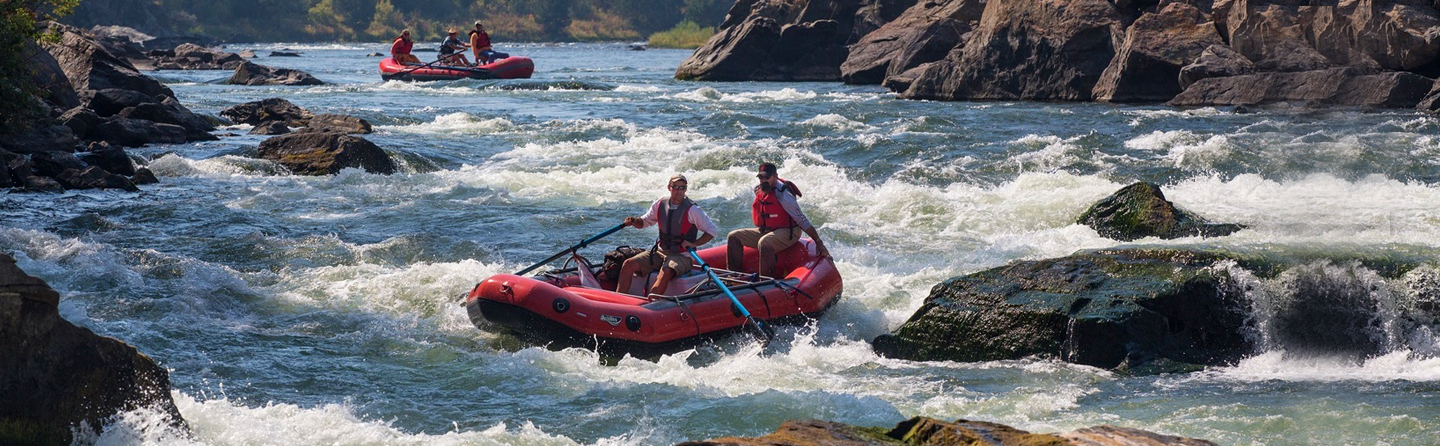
x=734, y=300
x=572, y=249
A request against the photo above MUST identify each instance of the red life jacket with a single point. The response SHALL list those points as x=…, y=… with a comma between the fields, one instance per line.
x=767, y=212
x=675, y=226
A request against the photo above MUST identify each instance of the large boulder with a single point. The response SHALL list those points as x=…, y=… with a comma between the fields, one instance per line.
x=1028, y=49
x=90, y=67
x=1289, y=35
x=1138, y=310
x=1140, y=210
x=1353, y=87
x=110, y=101
x=1157, y=46
x=249, y=73
x=325, y=153
x=57, y=378
x=266, y=110
x=923, y=431
x=171, y=112
x=138, y=132
x=926, y=32
x=41, y=139
x=1215, y=61
x=47, y=74
x=190, y=56
x=776, y=40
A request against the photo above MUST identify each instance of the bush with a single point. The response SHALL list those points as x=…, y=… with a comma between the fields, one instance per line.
x=19, y=26
x=686, y=35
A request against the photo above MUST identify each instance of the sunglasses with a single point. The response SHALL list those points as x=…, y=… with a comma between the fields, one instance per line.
x=764, y=176
x=678, y=186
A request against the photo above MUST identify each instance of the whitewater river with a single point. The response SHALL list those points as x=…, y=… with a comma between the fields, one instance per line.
x=323, y=310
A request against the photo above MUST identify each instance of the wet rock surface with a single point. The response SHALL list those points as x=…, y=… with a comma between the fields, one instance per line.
x=325, y=153
x=1140, y=210
x=249, y=73
x=56, y=378
x=925, y=431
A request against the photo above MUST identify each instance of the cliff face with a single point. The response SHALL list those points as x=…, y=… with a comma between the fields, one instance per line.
x=1225, y=52
x=55, y=377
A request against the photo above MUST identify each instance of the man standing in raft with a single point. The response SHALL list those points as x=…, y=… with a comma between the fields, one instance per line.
x=778, y=220
x=681, y=221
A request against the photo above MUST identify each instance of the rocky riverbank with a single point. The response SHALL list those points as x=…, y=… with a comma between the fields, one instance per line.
x=58, y=380
x=1191, y=53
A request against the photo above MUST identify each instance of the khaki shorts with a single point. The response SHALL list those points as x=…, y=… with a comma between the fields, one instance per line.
x=678, y=261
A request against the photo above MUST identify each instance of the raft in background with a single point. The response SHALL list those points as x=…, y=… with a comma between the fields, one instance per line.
x=515, y=67
x=554, y=308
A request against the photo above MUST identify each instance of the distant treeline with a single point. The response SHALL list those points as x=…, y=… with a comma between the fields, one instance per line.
x=370, y=20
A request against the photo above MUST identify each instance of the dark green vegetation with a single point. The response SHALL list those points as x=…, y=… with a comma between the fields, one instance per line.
x=18, y=31
x=368, y=20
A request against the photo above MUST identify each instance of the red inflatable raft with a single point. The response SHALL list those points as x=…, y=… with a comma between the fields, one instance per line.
x=566, y=308
x=517, y=67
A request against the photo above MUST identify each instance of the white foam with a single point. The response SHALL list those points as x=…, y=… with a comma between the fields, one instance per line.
x=838, y=122
x=1276, y=365
x=709, y=94
x=457, y=123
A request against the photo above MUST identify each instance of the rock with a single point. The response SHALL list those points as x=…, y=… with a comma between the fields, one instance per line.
x=80, y=120
x=108, y=157
x=143, y=175
x=329, y=122
x=902, y=81
x=171, y=112
x=36, y=183
x=57, y=378
x=633, y=47
x=94, y=178
x=90, y=67
x=248, y=54
x=923, y=431
x=254, y=74
x=1028, y=50
x=284, y=54
x=270, y=128
x=874, y=14
x=47, y=74
x=111, y=101
x=1157, y=46
x=1124, y=436
x=377, y=54
x=137, y=132
x=1215, y=61
x=52, y=164
x=125, y=32
x=1136, y=310
x=41, y=139
x=1282, y=35
x=775, y=41
x=926, y=32
x=325, y=153
x=1140, y=210
x=18, y=165
x=1351, y=87
x=174, y=41
x=190, y=56
x=265, y=110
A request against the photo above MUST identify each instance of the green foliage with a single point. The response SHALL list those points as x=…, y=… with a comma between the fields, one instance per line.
x=687, y=35
x=19, y=26
x=708, y=12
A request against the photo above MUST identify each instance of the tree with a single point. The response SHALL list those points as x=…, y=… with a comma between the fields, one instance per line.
x=19, y=27
x=385, y=21
x=707, y=12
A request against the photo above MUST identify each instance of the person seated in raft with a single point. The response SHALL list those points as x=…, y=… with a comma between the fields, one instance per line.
x=453, y=50
x=480, y=44
x=400, y=50
x=681, y=222
x=777, y=217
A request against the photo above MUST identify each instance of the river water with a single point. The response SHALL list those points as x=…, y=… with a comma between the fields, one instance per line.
x=323, y=310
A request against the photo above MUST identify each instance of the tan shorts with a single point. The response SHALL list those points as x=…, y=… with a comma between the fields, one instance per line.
x=680, y=262
x=406, y=58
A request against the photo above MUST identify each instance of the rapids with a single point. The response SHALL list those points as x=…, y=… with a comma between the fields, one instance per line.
x=323, y=310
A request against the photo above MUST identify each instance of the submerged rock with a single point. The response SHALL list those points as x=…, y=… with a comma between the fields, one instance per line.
x=325, y=153
x=1133, y=309
x=923, y=431
x=1140, y=210
x=330, y=122
x=56, y=378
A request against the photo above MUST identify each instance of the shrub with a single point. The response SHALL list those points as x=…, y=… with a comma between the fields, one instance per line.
x=686, y=35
